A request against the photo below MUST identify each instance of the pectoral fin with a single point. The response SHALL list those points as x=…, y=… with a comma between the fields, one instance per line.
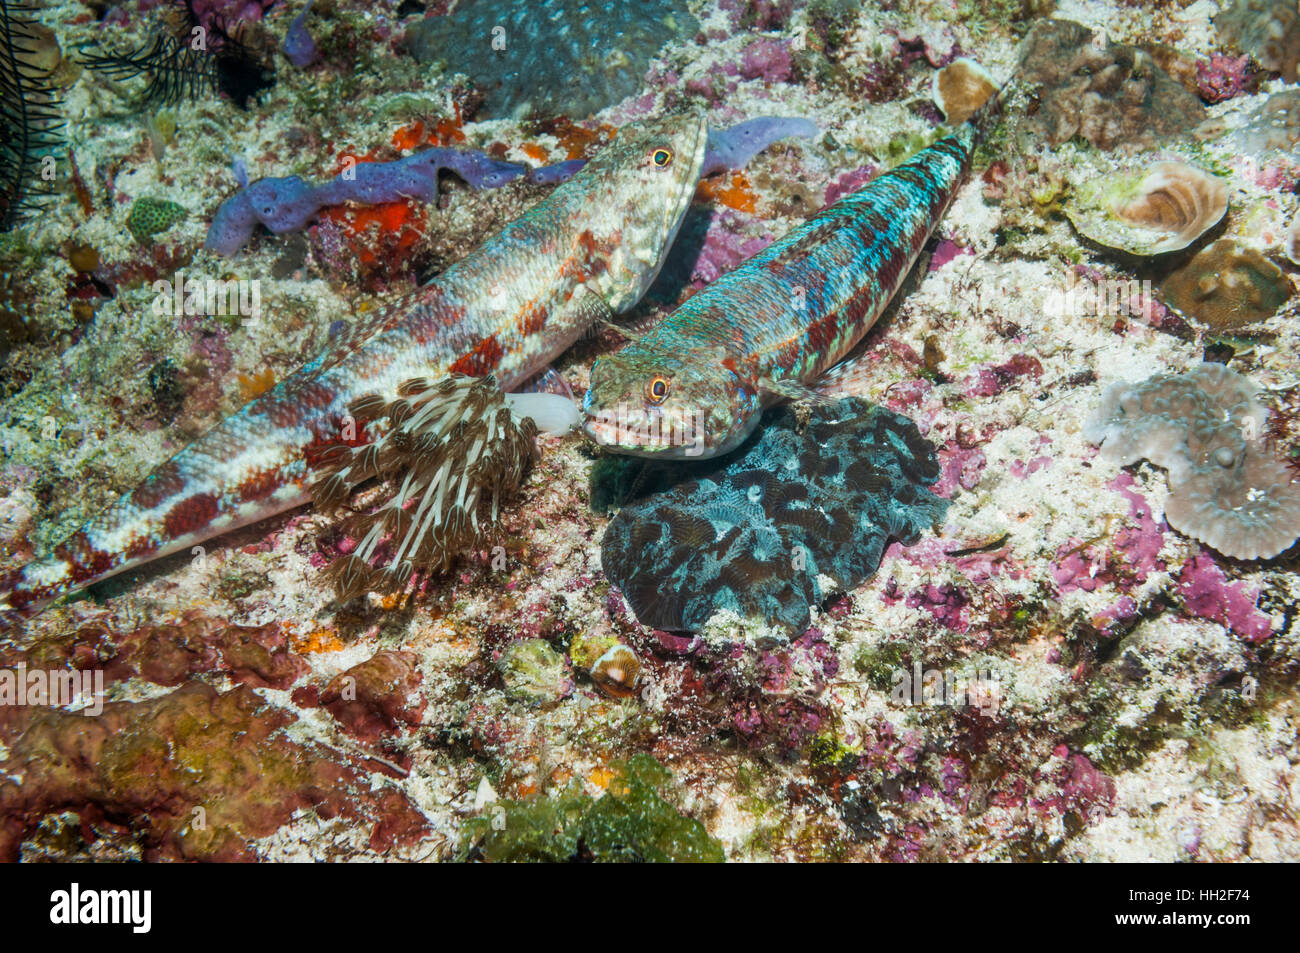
x=774, y=390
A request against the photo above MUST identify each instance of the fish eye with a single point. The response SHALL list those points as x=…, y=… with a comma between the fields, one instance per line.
x=661, y=157
x=656, y=391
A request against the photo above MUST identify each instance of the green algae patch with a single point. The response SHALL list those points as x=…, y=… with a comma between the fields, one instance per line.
x=633, y=821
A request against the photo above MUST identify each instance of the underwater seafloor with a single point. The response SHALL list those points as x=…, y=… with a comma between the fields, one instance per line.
x=1143, y=684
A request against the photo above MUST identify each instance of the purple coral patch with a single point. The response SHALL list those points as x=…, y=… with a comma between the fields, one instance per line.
x=1207, y=594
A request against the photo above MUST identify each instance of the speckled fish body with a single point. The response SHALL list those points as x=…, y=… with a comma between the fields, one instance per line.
x=697, y=383
x=590, y=250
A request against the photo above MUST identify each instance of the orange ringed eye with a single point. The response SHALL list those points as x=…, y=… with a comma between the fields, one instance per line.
x=661, y=157
x=657, y=390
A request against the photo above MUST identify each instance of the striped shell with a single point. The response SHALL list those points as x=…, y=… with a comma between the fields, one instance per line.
x=1162, y=208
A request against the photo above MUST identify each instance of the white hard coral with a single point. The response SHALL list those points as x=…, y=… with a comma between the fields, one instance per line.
x=1206, y=428
x=451, y=452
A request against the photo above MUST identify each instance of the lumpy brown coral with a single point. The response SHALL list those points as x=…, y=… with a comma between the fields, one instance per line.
x=1111, y=95
x=1269, y=30
x=1227, y=286
x=200, y=774
x=1206, y=428
x=452, y=451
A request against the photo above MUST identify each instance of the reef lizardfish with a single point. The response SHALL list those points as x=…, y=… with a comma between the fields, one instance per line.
x=697, y=383
x=590, y=250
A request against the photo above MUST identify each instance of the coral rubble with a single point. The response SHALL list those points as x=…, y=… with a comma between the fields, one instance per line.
x=1274, y=125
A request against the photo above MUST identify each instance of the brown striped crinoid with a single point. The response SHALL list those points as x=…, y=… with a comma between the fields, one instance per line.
x=450, y=455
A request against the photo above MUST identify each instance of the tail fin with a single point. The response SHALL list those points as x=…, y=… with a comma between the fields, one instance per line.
x=27, y=591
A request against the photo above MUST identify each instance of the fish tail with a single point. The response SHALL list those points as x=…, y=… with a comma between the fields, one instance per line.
x=28, y=590
x=251, y=466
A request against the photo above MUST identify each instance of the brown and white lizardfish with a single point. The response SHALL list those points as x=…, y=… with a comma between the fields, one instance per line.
x=587, y=252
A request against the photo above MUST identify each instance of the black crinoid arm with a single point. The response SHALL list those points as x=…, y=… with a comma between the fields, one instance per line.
x=185, y=60
x=29, y=118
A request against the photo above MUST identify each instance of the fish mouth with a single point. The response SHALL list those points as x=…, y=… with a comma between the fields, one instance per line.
x=612, y=435
x=691, y=181
x=675, y=211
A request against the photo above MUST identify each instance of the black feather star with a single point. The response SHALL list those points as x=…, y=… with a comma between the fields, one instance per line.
x=29, y=118
x=175, y=70
x=189, y=61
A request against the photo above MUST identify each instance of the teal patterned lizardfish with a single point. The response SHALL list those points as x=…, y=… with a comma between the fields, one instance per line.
x=696, y=385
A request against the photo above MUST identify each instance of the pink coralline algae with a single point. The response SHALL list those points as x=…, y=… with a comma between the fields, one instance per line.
x=1073, y=570
x=1207, y=594
x=911, y=49
x=778, y=705
x=1142, y=541
x=1222, y=77
x=1084, y=789
x=723, y=250
x=908, y=393
x=849, y=182
x=222, y=12
x=762, y=15
x=946, y=251
x=1020, y=469
x=991, y=381
x=768, y=60
x=1132, y=555
x=949, y=605
x=962, y=467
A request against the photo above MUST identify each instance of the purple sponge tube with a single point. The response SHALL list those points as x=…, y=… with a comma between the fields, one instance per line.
x=290, y=203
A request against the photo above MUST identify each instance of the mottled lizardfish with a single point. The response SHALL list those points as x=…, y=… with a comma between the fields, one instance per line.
x=588, y=251
x=697, y=383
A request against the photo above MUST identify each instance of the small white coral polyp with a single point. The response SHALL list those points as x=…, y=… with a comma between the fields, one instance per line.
x=1205, y=427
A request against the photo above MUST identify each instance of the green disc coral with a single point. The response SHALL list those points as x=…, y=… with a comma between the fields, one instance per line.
x=150, y=216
